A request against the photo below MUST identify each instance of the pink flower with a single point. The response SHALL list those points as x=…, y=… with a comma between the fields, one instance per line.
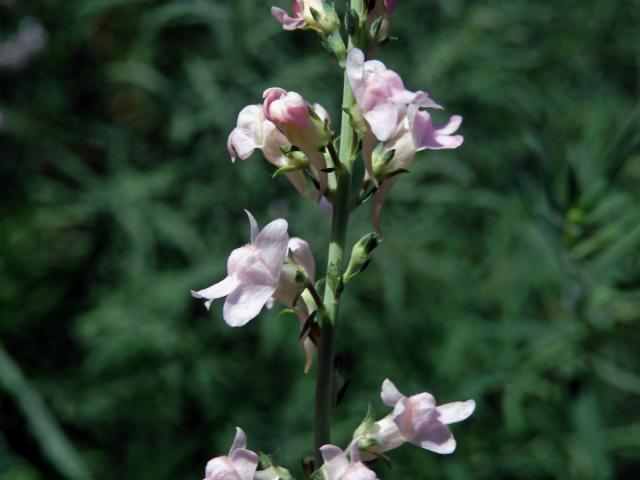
x=381, y=95
x=415, y=133
x=253, y=273
x=253, y=131
x=305, y=127
x=338, y=467
x=302, y=17
x=239, y=464
x=417, y=420
x=261, y=272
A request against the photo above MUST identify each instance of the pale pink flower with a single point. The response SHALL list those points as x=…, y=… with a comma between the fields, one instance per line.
x=253, y=273
x=417, y=420
x=302, y=16
x=239, y=464
x=260, y=273
x=253, y=131
x=292, y=115
x=338, y=467
x=415, y=133
x=381, y=95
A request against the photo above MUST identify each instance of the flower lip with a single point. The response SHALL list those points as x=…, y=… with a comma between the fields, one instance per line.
x=253, y=272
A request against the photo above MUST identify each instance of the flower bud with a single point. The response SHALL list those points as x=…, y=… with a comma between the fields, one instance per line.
x=302, y=125
x=361, y=255
x=307, y=127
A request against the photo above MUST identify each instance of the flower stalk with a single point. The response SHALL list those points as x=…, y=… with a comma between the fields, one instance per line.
x=325, y=395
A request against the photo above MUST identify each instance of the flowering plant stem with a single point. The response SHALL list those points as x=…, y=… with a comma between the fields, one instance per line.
x=325, y=394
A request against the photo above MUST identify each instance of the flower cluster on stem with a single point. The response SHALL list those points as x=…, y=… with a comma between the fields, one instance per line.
x=386, y=125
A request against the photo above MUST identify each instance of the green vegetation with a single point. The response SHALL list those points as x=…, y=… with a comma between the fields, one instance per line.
x=509, y=273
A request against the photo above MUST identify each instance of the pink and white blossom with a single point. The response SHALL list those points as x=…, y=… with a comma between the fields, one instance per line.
x=338, y=467
x=415, y=133
x=260, y=273
x=238, y=464
x=253, y=131
x=381, y=95
x=253, y=273
x=417, y=420
x=302, y=16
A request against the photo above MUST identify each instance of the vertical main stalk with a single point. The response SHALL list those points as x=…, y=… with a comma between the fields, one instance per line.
x=325, y=395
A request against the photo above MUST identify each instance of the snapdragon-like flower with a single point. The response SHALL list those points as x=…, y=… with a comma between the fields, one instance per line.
x=239, y=464
x=417, y=420
x=304, y=18
x=305, y=126
x=338, y=467
x=253, y=273
x=381, y=95
x=415, y=133
x=261, y=272
x=253, y=131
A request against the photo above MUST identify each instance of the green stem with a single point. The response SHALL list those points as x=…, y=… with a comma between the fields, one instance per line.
x=325, y=395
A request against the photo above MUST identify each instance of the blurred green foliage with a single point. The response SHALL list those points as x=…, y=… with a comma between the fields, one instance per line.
x=510, y=271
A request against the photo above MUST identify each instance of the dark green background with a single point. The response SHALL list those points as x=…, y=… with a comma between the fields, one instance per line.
x=510, y=272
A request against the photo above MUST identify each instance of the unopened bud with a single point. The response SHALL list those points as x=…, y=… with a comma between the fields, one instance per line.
x=328, y=20
x=380, y=158
x=356, y=119
x=351, y=21
x=361, y=255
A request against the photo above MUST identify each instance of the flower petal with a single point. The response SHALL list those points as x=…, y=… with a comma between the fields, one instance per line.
x=217, y=290
x=428, y=136
x=271, y=243
x=335, y=461
x=247, y=264
x=245, y=463
x=219, y=468
x=455, y=411
x=355, y=73
x=436, y=437
x=239, y=441
x=303, y=256
x=287, y=22
x=450, y=127
x=250, y=133
x=358, y=471
x=254, y=225
x=390, y=394
x=245, y=303
x=383, y=120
